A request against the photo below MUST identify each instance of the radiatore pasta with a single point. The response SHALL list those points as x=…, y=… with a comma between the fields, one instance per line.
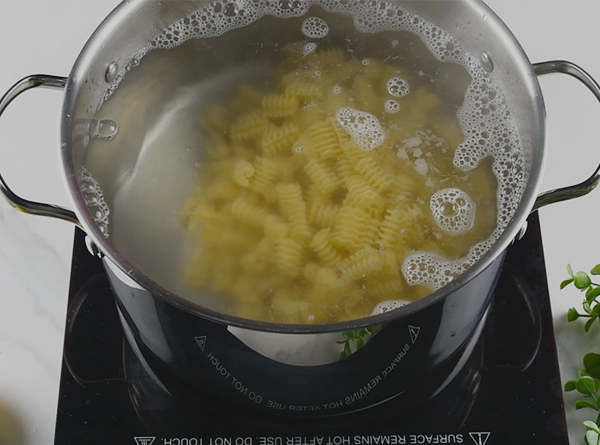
x=312, y=195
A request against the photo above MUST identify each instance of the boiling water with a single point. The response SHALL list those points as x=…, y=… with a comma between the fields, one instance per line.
x=149, y=168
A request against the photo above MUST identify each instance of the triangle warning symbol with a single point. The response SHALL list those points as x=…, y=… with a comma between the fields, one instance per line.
x=414, y=332
x=144, y=440
x=480, y=438
x=201, y=342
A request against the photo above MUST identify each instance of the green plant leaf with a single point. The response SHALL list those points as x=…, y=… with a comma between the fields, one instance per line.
x=582, y=280
x=572, y=314
x=566, y=283
x=359, y=343
x=596, y=270
x=586, y=307
x=592, y=293
x=347, y=350
x=570, y=385
x=591, y=426
x=570, y=271
x=581, y=372
x=588, y=324
x=591, y=361
x=596, y=310
x=586, y=385
x=592, y=437
x=585, y=404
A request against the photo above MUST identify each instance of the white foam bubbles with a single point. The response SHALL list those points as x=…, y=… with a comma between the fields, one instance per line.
x=390, y=305
x=315, y=28
x=453, y=210
x=309, y=48
x=362, y=126
x=430, y=269
x=421, y=166
x=94, y=200
x=398, y=87
x=391, y=106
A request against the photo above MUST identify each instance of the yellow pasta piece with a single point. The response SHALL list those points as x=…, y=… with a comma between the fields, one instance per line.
x=393, y=228
x=293, y=208
x=324, y=248
x=243, y=170
x=355, y=229
x=363, y=195
x=309, y=115
x=263, y=179
x=279, y=139
x=353, y=152
x=374, y=173
x=344, y=168
x=323, y=176
x=249, y=127
x=322, y=214
x=304, y=89
x=288, y=256
x=401, y=227
x=288, y=169
x=361, y=264
x=280, y=105
x=248, y=212
x=221, y=189
x=323, y=140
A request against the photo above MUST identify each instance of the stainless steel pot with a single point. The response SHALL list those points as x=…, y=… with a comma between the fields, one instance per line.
x=296, y=368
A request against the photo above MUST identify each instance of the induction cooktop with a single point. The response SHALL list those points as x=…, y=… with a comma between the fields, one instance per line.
x=506, y=391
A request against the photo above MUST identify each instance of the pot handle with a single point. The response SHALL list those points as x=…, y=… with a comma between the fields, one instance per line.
x=24, y=205
x=583, y=188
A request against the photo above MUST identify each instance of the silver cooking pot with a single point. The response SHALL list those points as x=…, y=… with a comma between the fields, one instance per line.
x=292, y=368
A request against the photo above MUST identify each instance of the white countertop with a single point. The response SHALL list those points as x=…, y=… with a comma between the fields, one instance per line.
x=45, y=36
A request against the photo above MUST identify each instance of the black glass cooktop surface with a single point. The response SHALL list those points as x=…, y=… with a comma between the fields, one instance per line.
x=506, y=391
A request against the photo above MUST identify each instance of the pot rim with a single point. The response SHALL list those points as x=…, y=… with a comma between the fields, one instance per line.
x=86, y=58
